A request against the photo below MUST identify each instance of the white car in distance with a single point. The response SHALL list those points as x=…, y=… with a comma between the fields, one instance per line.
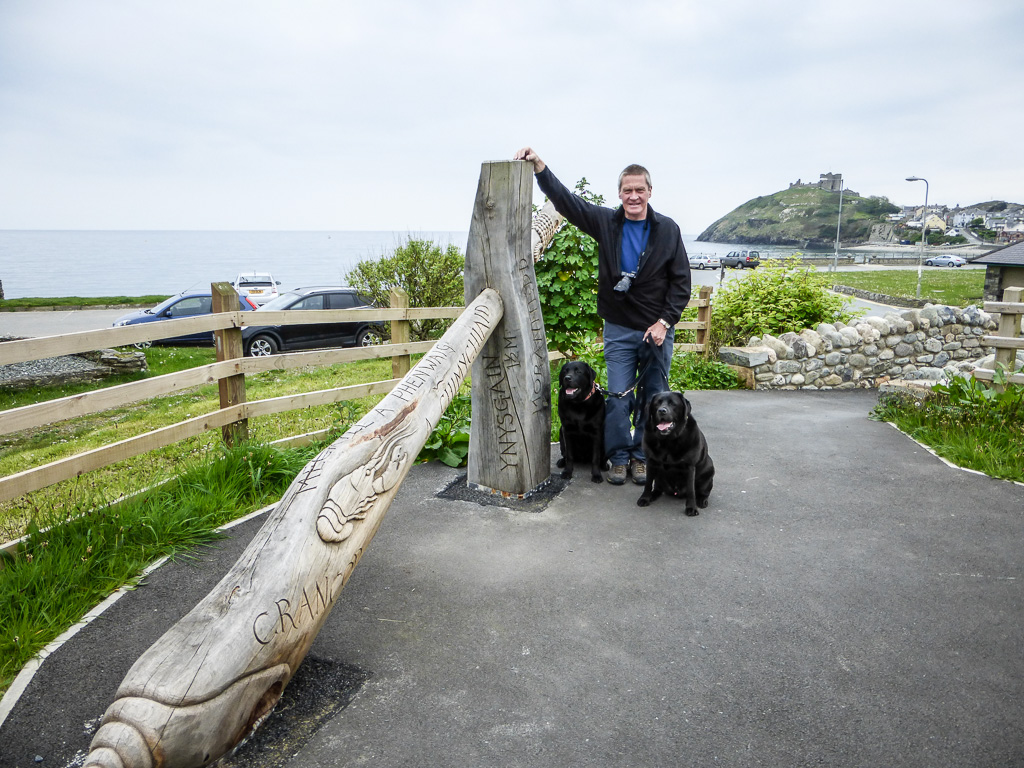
x=259, y=287
x=704, y=261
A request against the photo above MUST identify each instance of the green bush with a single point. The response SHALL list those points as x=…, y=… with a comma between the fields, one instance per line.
x=779, y=297
x=567, y=282
x=432, y=277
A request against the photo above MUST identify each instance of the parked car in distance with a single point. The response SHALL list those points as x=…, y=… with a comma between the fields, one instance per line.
x=741, y=259
x=262, y=340
x=704, y=261
x=261, y=287
x=945, y=261
x=185, y=304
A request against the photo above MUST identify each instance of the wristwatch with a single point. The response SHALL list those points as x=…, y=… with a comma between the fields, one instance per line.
x=668, y=327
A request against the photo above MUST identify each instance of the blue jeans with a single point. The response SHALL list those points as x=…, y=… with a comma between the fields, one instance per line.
x=627, y=354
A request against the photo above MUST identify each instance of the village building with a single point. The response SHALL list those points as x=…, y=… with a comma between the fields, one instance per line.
x=1004, y=268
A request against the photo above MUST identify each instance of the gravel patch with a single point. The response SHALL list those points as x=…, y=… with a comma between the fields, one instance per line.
x=67, y=369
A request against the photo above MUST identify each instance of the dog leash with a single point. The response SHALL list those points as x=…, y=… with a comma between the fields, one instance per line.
x=651, y=357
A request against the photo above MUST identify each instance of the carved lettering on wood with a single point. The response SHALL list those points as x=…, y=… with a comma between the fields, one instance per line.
x=214, y=676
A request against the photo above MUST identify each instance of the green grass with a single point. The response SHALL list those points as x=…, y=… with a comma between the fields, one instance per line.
x=161, y=360
x=954, y=287
x=968, y=422
x=80, y=301
x=39, y=446
x=75, y=557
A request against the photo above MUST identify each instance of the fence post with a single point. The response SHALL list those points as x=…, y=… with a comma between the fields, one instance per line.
x=228, y=342
x=1009, y=326
x=704, y=316
x=510, y=435
x=400, y=364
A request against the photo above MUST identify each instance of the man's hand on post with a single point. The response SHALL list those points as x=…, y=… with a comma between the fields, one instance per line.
x=527, y=153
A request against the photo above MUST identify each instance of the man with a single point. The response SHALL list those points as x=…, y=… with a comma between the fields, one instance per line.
x=643, y=287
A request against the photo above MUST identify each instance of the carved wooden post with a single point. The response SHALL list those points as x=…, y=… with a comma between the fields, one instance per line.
x=704, y=316
x=399, y=333
x=229, y=346
x=215, y=675
x=510, y=436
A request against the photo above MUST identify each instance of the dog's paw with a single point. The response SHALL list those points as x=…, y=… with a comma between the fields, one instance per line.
x=567, y=474
x=598, y=478
x=691, y=512
x=643, y=501
x=560, y=463
x=703, y=503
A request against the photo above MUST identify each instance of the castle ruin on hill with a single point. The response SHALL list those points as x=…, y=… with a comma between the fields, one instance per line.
x=830, y=182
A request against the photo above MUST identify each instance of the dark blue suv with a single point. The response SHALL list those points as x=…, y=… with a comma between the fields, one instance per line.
x=185, y=304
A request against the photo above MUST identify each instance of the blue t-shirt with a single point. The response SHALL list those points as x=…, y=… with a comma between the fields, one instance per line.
x=634, y=241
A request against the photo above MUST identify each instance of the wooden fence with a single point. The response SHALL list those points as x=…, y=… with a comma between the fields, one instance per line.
x=215, y=675
x=1008, y=339
x=229, y=373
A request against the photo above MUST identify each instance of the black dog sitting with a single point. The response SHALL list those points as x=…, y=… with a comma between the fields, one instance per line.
x=677, y=454
x=581, y=410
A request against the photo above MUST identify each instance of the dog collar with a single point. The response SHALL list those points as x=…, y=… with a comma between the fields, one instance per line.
x=593, y=389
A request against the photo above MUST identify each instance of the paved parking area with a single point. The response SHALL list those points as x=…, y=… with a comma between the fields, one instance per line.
x=848, y=599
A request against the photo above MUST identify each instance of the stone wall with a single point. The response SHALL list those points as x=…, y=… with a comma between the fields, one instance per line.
x=918, y=344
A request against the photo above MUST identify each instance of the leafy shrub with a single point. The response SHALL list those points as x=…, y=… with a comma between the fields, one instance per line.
x=432, y=277
x=779, y=297
x=567, y=282
x=449, y=441
x=692, y=371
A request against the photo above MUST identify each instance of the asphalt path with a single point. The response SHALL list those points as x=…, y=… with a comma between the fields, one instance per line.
x=847, y=599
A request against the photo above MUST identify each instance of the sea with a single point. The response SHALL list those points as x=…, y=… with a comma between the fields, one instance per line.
x=88, y=263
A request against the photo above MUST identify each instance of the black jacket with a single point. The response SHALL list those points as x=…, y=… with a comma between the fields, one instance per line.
x=661, y=288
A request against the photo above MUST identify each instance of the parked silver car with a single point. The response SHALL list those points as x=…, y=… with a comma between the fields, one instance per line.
x=704, y=261
x=945, y=261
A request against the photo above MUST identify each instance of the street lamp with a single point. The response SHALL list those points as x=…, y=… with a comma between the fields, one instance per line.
x=924, y=230
x=839, y=223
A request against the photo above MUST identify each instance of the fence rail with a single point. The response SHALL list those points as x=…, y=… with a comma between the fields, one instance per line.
x=232, y=412
x=1008, y=338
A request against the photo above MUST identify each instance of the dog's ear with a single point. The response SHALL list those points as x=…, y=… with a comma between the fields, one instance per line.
x=590, y=371
x=686, y=406
x=561, y=372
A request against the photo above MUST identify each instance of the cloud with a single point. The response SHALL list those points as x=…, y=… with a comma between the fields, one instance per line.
x=344, y=115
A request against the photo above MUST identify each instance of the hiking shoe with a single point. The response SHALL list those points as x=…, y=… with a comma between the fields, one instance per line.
x=638, y=469
x=618, y=474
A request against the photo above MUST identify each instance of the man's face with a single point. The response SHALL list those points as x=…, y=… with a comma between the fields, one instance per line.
x=634, y=194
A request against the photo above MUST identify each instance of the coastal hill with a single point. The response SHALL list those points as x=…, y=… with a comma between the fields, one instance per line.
x=805, y=216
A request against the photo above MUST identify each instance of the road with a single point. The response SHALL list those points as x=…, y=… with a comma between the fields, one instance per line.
x=32, y=324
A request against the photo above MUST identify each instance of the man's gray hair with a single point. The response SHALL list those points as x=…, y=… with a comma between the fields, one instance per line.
x=635, y=170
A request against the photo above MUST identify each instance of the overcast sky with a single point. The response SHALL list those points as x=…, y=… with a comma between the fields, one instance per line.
x=247, y=114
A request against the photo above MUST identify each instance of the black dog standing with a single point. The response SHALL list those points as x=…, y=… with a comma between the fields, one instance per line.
x=677, y=454
x=581, y=411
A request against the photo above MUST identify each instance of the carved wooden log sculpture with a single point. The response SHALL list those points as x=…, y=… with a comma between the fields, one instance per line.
x=214, y=676
x=545, y=224
x=510, y=436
